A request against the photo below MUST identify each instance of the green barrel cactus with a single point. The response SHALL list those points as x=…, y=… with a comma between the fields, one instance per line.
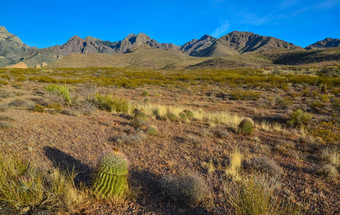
x=247, y=126
x=111, y=178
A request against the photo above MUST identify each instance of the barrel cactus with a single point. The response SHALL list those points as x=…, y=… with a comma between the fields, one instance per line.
x=247, y=126
x=111, y=178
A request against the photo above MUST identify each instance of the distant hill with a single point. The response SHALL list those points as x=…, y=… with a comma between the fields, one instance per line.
x=143, y=57
x=195, y=46
x=326, y=43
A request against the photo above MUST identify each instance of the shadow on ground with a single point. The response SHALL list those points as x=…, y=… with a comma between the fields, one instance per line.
x=67, y=164
x=152, y=198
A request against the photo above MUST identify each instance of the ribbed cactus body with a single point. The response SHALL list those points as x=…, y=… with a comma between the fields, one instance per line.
x=111, y=176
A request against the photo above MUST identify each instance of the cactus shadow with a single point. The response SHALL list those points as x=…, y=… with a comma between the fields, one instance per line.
x=68, y=164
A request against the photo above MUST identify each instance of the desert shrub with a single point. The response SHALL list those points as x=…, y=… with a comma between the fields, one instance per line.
x=17, y=103
x=283, y=102
x=193, y=140
x=256, y=196
x=87, y=108
x=109, y=103
x=145, y=93
x=146, y=100
x=111, y=175
x=5, y=118
x=152, y=130
x=62, y=91
x=39, y=108
x=139, y=120
x=23, y=186
x=328, y=170
x=245, y=95
x=131, y=139
x=171, y=116
x=5, y=125
x=5, y=94
x=246, y=126
x=3, y=107
x=331, y=155
x=220, y=132
x=187, y=189
x=264, y=165
x=323, y=88
x=300, y=118
x=55, y=107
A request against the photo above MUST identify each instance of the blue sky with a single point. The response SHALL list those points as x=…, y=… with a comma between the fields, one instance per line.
x=47, y=23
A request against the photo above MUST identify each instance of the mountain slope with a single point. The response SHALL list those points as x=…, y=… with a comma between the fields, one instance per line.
x=326, y=43
x=195, y=46
x=241, y=42
x=12, y=49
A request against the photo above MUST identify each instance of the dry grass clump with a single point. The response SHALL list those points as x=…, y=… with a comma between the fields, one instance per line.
x=5, y=118
x=187, y=189
x=331, y=155
x=3, y=107
x=220, y=132
x=24, y=188
x=328, y=170
x=193, y=140
x=256, y=196
x=235, y=165
x=265, y=165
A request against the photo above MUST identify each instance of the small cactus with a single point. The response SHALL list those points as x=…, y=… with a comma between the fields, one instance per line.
x=246, y=126
x=189, y=114
x=152, y=130
x=111, y=176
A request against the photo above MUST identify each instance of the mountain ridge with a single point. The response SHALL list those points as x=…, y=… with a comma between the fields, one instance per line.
x=13, y=50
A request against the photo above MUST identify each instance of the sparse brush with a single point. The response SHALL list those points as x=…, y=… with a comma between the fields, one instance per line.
x=188, y=189
x=246, y=126
x=5, y=125
x=131, y=139
x=190, y=114
x=39, y=108
x=331, y=155
x=265, y=165
x=300, y=118
x=111, y=177
x=24, y=187
x=256, y=196
x=109, y=103
x=60, y=91
x=145, y=93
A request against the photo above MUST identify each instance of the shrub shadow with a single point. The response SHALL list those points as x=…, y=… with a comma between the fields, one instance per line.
x=153, y=199
x=68, y=164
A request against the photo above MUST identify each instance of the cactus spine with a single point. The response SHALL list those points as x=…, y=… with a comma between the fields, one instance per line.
x=111, y=176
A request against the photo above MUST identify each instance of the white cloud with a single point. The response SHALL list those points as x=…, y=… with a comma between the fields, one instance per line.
x=221, y=29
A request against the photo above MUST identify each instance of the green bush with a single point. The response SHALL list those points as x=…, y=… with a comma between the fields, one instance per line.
x=109, y=103
x=39, y=108
x=111, y=176
x=145, y=93
x=60, y=91
x=300, y=118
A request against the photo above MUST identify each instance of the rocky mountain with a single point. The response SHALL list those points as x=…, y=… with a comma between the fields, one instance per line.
x=195, y=46
x=241, y=42
x=326, y=43
x=12, y=49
